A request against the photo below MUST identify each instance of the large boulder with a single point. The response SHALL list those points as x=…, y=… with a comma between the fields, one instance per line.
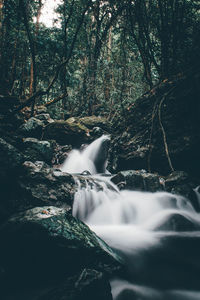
x=138, y=180
x=76, y=131
x=45, y=245
x=67, y=133
x=160, y=126
x=94, y=121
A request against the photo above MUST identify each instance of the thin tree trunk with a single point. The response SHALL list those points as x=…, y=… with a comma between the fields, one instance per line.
x=33, y=78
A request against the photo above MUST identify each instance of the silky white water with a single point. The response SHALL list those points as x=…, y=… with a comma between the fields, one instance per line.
x=88, y=158
x=156, y=234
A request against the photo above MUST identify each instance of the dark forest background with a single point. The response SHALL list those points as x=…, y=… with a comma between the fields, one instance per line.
x=100, y=58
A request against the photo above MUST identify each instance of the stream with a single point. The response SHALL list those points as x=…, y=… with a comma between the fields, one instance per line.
x=157, y=235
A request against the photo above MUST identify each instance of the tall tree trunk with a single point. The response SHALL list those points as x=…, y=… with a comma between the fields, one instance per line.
x=33, y=75
x=107, y=71
x=64, y=83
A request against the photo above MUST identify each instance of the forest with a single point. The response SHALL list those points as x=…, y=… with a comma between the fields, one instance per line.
x=99, y=57
x=99, y=149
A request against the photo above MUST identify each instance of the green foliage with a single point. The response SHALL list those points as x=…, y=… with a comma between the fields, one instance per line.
x=114, y=51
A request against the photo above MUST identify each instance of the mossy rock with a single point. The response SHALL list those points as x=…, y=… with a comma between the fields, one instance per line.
x=94, y=121
x=67, y=133
x=48, y=244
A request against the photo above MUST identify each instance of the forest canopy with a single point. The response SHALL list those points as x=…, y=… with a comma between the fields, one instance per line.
x=99, y=56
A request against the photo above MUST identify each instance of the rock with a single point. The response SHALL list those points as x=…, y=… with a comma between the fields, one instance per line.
x=67, y=133
x=8, y=103
x=95, y=122
x=60, y=154
x=93, y=284
x=45, y=118
x=138, y=180
x=178, y=182
x=140, y=143
x=89, y=284
x=9, y=122
x=10, y=159
x=181, y=183
x=35, y=184
x=97, y=132
x=76, y=131
x=40, y=109
x=46, y=244
x=41, y=185
x=177, y=222
x=38, y=150
x=32, y=128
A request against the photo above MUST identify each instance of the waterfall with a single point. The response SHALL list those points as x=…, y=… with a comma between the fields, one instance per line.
x=92, y=158
x=156, y=234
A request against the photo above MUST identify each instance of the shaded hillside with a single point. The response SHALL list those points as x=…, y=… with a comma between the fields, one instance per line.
x=161, y=130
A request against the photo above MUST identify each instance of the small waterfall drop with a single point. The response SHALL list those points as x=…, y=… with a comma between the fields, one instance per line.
x=156, y=234
x=93, y=158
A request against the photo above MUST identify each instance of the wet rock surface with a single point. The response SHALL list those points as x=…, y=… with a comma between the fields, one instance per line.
x=43, y=245
x=76, y=131
x=89, y=284
x=178, y=182
x=40, y=183
x=138, y=180
x=45, y=253
x=35, y=149
x=177, y=223
x=10, y=159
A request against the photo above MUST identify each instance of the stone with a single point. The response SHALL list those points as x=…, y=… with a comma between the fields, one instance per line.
x=32, y=128
x=92, y=122
x=10, y=159
x=77, y=131
x=60, y=154
x=177, y=222
x=46, y=244
x=67, y=133
x=38, y=150
x=8, y=103
x=89, y=284
x=45, y=118
x=138, y=180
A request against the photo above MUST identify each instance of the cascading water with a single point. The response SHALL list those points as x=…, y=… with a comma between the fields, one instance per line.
x=156, y=234
x=92, y=158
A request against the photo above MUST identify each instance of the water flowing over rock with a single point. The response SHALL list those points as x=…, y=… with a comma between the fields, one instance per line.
x=156, y=234
x=93, y=158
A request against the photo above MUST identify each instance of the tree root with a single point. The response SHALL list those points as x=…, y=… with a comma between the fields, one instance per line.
x=157, y=109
